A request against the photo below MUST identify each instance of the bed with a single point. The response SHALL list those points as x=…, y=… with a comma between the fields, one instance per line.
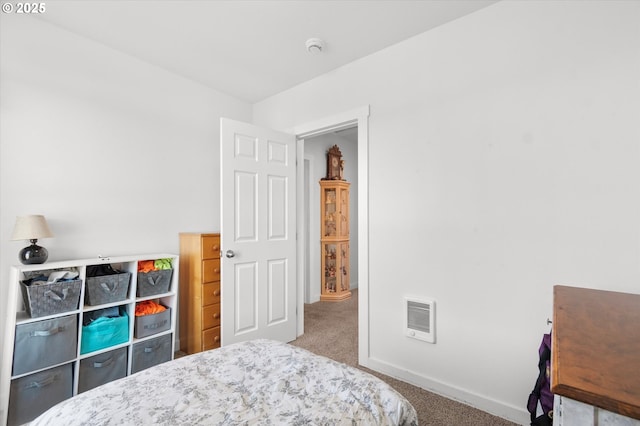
x=251, y=383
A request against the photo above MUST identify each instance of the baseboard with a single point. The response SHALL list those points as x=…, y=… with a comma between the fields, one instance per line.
x=515, y=414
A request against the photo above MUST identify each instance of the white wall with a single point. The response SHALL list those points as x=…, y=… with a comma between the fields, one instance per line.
x=120, y=156
x=503, y=159
x=316, y=148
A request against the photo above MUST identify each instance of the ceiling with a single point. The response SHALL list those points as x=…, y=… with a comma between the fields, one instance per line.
x=252, y=49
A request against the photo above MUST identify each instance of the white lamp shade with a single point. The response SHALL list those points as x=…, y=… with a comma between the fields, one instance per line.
x=32, y=227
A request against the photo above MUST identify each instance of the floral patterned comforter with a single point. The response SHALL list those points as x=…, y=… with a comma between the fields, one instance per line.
x=260, y=382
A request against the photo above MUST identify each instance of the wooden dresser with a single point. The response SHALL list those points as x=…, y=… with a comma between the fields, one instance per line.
x=595, y=357
x=199, y=292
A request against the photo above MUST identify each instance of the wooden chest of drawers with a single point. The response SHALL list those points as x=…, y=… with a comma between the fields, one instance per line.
x=199, y=292
x=594, y=354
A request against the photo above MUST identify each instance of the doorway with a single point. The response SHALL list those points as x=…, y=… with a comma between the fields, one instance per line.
x=315, y=162
x=359, y=118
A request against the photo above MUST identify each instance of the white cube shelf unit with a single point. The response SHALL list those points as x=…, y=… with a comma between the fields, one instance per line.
x=57, y=366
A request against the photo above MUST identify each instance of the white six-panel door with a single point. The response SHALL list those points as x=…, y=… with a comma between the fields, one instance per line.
x=258, y=233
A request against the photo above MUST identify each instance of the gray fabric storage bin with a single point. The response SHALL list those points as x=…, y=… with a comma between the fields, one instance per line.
x=43, y=343
x=107, y=288
x=103, y=368
x=151, y=352
x=47, y=299
x=146, y=325
x=153, y=282
x=34, y=394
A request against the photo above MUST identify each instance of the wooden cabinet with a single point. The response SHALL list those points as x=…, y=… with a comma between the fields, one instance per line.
x=334, y=240
x=199, y=292
x=595, y=362
x=86, y=333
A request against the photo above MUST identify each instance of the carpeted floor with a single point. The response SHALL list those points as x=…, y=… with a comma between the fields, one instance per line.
x=341, y=344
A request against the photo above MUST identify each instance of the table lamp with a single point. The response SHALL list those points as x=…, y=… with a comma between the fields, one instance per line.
x=31, y=228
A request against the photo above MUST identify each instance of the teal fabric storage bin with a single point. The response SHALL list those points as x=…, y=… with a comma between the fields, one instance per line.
x=105, y=332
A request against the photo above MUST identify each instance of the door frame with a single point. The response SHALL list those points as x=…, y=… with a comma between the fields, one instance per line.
x=310, y=217
x=360, y=118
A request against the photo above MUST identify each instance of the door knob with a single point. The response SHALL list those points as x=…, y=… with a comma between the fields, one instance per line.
x=230, y=254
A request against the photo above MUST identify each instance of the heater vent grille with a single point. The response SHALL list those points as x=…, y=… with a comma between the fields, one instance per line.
x=420, y=319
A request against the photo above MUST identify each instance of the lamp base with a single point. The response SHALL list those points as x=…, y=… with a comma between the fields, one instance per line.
x=33, y=254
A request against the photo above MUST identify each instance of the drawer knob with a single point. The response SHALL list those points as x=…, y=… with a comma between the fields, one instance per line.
x=216, y=339
x=216, y=293
x=216, y=315
x=215, y=248
x=217, y=270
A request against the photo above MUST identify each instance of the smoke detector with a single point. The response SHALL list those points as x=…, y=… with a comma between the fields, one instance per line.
x=315, y=46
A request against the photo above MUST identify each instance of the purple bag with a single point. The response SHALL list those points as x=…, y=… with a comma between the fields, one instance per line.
x=542, y=391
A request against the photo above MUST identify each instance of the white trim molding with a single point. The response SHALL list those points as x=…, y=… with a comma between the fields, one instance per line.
x=497, y=408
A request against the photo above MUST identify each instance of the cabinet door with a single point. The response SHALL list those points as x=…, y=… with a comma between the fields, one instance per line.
x=330, y=212
x=343, y=266
x=329, y=268
x=335, y=270
x=335, y=210
x=343, y=230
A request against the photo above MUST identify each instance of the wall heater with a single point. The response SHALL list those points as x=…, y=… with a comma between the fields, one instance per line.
x=420, y=315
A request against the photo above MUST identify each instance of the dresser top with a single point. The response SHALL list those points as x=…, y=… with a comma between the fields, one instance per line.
x=596, y=348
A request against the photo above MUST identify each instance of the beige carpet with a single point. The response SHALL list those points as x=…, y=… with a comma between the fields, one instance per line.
x=331, y=329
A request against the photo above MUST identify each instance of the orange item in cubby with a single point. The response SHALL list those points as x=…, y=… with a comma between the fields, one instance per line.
x=146, y=266
x=148, y=307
